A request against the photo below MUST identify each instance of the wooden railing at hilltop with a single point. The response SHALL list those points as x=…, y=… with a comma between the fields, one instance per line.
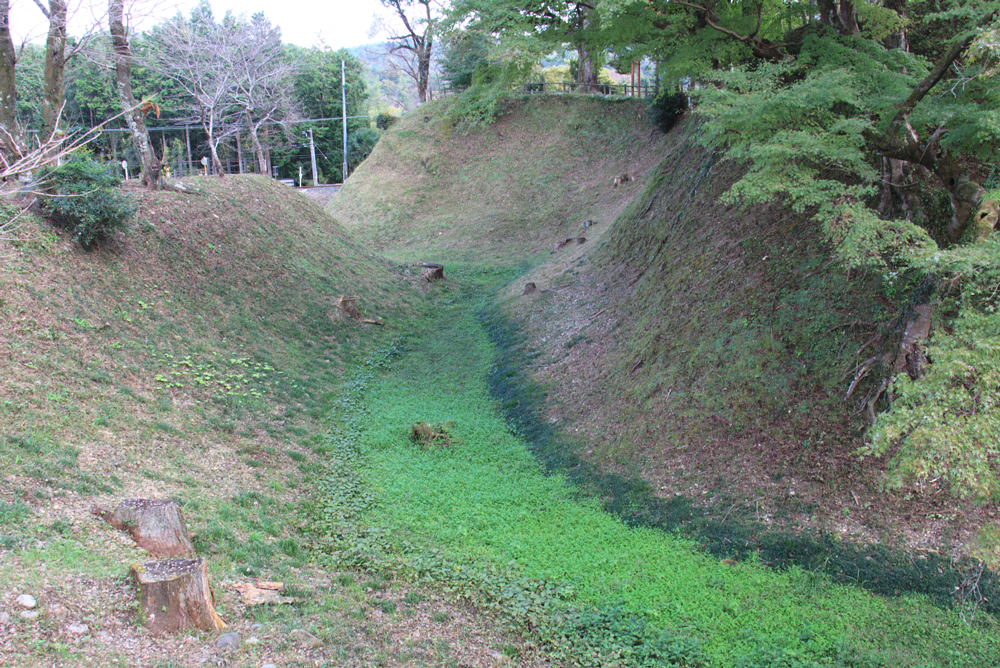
x=622, y=90
x=562, y=87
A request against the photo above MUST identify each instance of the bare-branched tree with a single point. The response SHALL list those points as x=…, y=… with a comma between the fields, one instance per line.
x=411, y=39
x=58, y=50
x=192, y=54
x=10, y=136
x=263, y=78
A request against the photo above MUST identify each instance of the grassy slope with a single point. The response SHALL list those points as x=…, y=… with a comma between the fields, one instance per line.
x=704, y=347
x=720, y=365
x=482, y=498
x=501, y=194
x=194, y=359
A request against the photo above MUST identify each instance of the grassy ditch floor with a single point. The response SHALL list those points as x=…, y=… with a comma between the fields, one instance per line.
x=462, y=503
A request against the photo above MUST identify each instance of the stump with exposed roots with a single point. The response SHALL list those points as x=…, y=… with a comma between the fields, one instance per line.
x=174, y=595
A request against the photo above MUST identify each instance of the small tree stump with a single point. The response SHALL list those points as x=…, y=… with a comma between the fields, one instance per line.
x=156, y=525
x=435, y=274
x=174, y=595
x=349, y=305
x=435, y=271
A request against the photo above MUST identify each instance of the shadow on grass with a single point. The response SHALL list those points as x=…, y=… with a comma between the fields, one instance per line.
x=881, y=570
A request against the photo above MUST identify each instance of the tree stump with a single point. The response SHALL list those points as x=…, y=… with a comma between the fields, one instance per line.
x=174, y=595
x=435, y=271
x=156, y=525
x=349, y=305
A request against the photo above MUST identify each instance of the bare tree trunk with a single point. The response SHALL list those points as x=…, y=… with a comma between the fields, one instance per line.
x=208, y=125
x=424, y=67
x=258, y=148
x=239, y=152
x=10, y=135
x=586, y=74
x=187, y=138
x=55, y=68
x=151, y=166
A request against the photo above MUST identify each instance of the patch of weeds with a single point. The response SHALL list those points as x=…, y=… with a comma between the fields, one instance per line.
x=377, y=583
x=13, y=513
x=130, y=393
x=440, y=617
x=579, y=338
x=412, y=598
x=385, y=605
x=510, y=651
x=290, y=547
x=345, y=579
x=167, y=428
x=61, y=527
x=296, y=592
x=295, y=456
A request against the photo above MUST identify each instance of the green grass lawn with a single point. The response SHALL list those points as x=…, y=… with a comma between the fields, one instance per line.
x=484, y=498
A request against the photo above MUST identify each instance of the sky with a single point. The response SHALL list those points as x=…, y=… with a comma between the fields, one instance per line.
x=340, y=23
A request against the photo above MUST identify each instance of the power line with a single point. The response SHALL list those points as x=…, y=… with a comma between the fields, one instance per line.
x=198, y=127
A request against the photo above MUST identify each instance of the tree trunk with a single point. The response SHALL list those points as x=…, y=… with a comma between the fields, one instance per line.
x=258, y=149
x=586, y=69
x=424, y=67
x=151, y=166
x=10, y=135
x=208, y=125
x=156, y=525
x=239, y=152
x=174, y=595
x=55, y=68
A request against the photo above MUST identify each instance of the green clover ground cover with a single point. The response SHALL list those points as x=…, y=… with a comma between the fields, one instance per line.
x=484, y=499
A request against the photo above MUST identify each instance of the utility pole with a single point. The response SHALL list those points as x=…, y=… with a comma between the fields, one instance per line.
x=343, y=111
x=312, y=153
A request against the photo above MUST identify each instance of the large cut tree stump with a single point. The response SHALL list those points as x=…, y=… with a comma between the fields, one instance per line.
x=156, y=525
x=174, y=595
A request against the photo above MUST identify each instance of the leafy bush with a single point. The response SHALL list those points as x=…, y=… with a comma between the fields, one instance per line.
x=385, y=120
x=465, y=53
x=946, y=426
x=667, y=109
x=84, y=197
